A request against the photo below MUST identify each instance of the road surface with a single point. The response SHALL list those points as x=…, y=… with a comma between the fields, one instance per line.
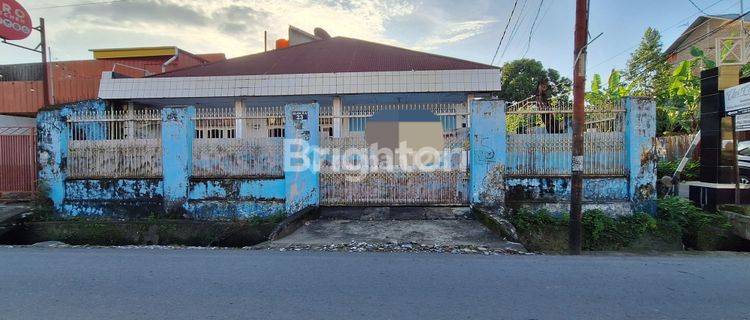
x=115, y=283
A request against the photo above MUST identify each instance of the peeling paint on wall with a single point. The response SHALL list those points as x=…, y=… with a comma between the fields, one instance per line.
x=302, y=186
x=487, y=153
x=237, y=189
x=177, y=131
x=640, y=134
x=52, y=148
x=115, y=189
x=232, y=209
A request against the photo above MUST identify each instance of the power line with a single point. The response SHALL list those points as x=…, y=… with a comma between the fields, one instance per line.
x=533, y=24
x=78, y=4
x=516, y=26
x=504, y=31
x=712, y=32
x=661, y=31
x=697, y=7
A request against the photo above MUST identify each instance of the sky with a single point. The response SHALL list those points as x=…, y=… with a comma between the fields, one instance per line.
x=466, y=29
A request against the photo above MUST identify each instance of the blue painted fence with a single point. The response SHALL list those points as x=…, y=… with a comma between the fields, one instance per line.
x=179, y=194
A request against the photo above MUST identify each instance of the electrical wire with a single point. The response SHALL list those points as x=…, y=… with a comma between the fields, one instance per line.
x=514, y=30
x=642, y=72
x=504, y=31
x=660, y=31
x=78, y=4
x=697, y=7
x=533, y=24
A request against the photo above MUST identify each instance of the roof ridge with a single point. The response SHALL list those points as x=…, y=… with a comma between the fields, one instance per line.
x=240, y=57
x=419, y=52
x=349, y=54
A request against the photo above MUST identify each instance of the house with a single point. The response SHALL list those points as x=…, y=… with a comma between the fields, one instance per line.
x=702, y=34
x=286, y=130
x=339, y=73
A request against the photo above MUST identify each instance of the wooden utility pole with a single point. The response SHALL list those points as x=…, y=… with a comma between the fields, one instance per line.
x=45, y=71
x=579, y=92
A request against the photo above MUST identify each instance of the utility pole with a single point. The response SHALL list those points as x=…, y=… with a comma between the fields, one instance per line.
x=45, y=72
x=579, y=92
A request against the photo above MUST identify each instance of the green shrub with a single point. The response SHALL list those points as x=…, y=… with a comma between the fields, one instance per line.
x=600, y=231
x=42, y=207
x=680, y=217
x=525, y=220
x=689, y=173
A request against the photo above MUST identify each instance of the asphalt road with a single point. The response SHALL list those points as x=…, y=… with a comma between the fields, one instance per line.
x=66, y=283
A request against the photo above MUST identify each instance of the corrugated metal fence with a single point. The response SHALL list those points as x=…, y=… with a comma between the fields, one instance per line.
x=18, y=167
x=673, y=148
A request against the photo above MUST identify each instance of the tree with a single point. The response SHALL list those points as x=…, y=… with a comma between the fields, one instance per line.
x=610, y=95
x=680, y=112
x=647, y=69
x=521, y=78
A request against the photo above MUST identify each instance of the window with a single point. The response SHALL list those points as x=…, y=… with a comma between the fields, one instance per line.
x=326, y=127
x=449, y=123
x=273, y=122
x=357, y=124
x=276, y=133
x=745, y=152
x=275, y=127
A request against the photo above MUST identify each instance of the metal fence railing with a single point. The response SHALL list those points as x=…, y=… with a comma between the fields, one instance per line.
x=540, y=140
x=115, y=144
x=231, y=143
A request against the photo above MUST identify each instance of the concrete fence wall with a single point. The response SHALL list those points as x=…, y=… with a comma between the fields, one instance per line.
x=617, y=194
x=180, y=193
x=176, y=193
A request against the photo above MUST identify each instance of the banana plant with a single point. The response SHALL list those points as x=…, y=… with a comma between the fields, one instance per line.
x=612, y=94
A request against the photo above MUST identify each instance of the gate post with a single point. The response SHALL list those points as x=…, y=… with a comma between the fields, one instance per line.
x=177, y=132
x=52, y=153
x=488, y=150
x=640, y=135
x=301, y=159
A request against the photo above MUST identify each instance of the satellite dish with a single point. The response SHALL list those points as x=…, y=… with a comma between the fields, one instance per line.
x=322, y=34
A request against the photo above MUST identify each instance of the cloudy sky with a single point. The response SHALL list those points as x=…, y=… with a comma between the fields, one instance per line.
x=468, y=29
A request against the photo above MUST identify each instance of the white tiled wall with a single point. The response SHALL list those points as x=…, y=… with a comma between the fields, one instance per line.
x=302, y=84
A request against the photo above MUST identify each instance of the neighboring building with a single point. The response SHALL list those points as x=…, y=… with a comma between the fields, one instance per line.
x=702, y=34
x=12, y=122
x=21, y=84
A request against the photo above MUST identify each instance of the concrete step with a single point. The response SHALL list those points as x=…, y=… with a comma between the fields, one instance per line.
x=395, y=213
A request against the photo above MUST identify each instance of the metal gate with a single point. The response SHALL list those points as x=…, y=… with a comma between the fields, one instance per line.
x=440, y=187
x=18, y=166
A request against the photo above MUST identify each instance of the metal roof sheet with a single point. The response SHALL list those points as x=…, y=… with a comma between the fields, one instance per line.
x=334, y=55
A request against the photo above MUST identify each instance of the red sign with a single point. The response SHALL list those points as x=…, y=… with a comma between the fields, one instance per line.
x=15, y=23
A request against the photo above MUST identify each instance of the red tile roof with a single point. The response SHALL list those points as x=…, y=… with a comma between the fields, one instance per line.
x=337, y=54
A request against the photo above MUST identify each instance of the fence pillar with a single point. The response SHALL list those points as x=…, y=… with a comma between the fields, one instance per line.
x=641, y=156
x=239, y=122
x=177, y=131
x=488, y=150
x=337, y=113
x=301, y=138
x=52, y=153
